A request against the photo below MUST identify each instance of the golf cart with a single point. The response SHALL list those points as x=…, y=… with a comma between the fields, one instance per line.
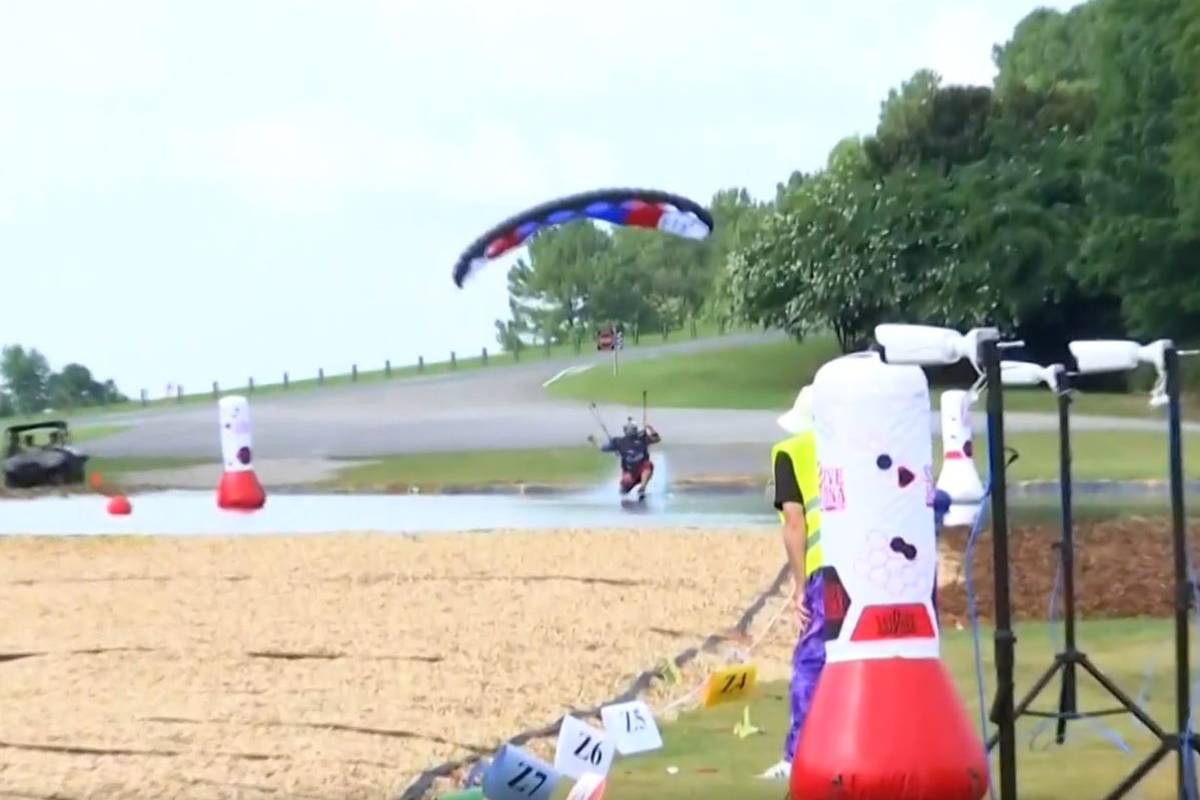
x=55, y=463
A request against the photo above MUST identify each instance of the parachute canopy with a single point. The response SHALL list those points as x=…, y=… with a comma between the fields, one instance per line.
x=638, y=208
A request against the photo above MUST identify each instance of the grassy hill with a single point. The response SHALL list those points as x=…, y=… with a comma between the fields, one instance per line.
x=768, y=376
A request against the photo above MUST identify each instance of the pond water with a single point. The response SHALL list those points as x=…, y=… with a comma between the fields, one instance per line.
x=196, y=513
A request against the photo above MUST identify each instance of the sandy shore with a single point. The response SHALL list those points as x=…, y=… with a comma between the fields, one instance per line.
x=339, y=666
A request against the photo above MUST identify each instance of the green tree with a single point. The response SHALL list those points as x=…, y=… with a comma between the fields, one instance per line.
x=551, y=291
x=1048, y=49
x=1137, y=246
x=25, y=374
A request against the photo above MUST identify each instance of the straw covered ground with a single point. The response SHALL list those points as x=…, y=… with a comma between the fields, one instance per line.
x=347, y=666
x=334, y=666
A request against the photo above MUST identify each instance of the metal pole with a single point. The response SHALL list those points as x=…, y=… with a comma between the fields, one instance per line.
x=1002, y=710
x=1183, y=590
x=1067, y=704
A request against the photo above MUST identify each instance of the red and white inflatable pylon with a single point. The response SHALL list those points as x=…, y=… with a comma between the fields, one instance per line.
x=959, y=478
x=239, y=488
x=886, y=722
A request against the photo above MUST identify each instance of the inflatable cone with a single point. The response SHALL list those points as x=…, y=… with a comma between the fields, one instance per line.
x=888, y=729
x=240, y=491
x=885, y=721
x=119, y=505
x=239, y=488
x=959, y=478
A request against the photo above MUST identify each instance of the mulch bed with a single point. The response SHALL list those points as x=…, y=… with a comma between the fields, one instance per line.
x=1123, y=568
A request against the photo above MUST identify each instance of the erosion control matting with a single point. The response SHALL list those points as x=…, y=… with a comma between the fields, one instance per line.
x=334, y=666
x=350, y=666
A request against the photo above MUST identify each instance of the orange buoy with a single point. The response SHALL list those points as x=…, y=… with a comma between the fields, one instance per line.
x=96, y=480
x=119, y=504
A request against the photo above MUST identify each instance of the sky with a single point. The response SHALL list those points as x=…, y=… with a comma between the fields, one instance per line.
x=209, y=191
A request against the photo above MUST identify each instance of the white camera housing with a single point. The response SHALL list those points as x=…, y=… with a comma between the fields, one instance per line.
x=927, y=344
x=1027, y=373
x=1123, y=355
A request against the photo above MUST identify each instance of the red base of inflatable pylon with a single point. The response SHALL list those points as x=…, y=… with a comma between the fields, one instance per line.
x=888, y=729
x=240, y=491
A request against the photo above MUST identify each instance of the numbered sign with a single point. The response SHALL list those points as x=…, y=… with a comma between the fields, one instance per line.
x=590, y=786
x=518, y=775
x=631, y=727
x=582, y=749
x=729, y=684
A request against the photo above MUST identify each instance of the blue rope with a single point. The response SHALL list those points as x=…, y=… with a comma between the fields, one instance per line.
x=973, y=614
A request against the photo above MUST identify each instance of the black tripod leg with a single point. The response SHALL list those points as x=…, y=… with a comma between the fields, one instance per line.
x=1139, y=772
x=1068, y=707
x=1121, y=697
x=1025, y=703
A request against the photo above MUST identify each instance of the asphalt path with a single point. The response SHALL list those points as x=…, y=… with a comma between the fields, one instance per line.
x=503, y=407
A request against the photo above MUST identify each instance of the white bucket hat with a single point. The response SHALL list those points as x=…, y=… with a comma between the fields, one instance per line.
x=800, y=418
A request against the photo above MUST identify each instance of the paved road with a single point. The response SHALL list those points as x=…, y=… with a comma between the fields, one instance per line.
x=499, y=408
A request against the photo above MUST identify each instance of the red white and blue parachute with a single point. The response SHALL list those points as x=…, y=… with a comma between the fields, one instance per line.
x=638, y=208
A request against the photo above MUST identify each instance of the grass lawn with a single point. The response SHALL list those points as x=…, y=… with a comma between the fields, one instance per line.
x=567, y=465
x=1098, y=404
x=761, y=376
x=769, y=375
x=114, y=468
x=712, y=762
x=1095, y=455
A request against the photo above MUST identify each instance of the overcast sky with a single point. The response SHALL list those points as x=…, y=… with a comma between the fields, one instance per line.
x=200, y=191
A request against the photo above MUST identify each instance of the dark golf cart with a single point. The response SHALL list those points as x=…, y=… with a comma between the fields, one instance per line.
x=54, y=463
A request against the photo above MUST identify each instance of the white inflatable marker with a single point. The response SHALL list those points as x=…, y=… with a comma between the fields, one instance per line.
x=959, y=478
x=885, y=717
x=239, y=488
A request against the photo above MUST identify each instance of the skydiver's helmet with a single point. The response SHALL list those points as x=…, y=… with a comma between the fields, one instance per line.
x=631, y=428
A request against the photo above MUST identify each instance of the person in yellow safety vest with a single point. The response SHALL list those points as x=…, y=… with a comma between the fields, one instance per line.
x=798, y=501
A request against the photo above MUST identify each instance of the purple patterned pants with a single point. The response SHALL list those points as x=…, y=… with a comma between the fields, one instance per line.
x=807, y=661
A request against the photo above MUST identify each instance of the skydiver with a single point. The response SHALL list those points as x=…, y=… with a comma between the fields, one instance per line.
x=633, y=448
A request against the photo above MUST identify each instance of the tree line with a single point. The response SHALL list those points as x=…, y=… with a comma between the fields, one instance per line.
x=30, y=386
x=1061, y=201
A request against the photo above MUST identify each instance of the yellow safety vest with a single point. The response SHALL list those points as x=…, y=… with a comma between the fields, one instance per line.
x=802, y=450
